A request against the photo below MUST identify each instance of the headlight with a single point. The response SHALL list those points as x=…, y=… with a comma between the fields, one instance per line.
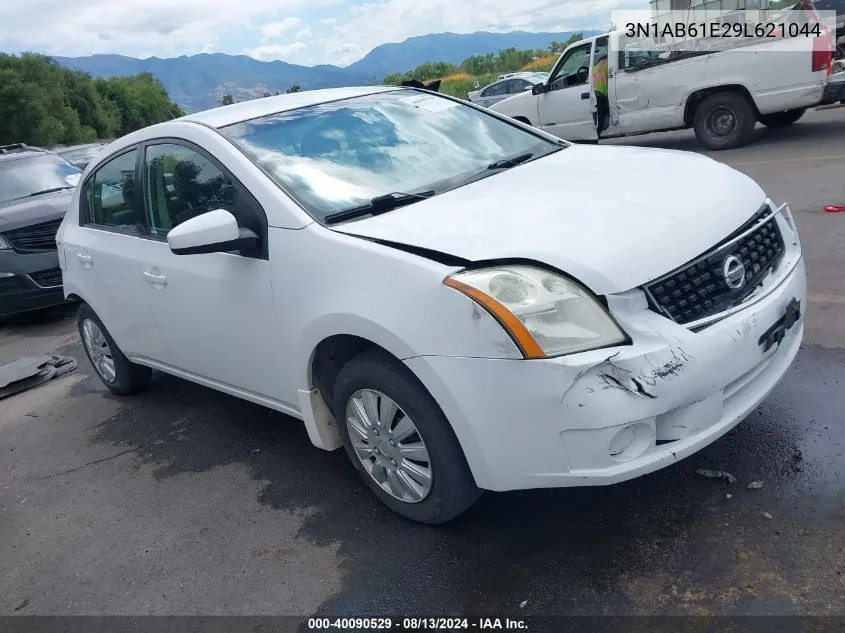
x=545, y=313
x=4, y=245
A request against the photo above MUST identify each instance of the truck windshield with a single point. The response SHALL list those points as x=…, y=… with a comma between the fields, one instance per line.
x=337, y=156
x=26, y=177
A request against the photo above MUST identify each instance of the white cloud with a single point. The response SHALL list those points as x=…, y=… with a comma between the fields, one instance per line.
x=276, y=51
x=378, y=21
x=337, y=31
x=277, y=29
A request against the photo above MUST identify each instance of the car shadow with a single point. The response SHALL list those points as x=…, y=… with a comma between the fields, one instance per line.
x=608, y=550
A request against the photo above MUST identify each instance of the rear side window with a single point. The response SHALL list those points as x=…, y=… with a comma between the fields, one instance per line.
x=109, y=195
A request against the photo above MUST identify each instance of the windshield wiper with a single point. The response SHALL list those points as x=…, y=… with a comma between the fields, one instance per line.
x=53, y=190
x=507, y=163
x=379, y=204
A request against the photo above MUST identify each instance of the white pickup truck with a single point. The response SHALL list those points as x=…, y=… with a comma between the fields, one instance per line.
x=720, y=94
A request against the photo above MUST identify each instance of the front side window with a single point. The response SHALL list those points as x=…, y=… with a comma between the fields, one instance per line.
x=335, y=156
x=109, y=194
x=574, y=70
x=181, y=184
x=27, y=177
x=515, y=86
x=497, y=89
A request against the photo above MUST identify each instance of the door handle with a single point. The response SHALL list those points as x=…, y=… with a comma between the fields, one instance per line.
x=85, y=259
x=585, y=95
x=155, y=279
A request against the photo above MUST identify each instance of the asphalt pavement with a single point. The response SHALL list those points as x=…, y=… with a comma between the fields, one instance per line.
x=186, y=501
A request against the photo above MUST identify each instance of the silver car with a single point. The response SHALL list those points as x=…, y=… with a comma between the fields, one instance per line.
x=506, y=87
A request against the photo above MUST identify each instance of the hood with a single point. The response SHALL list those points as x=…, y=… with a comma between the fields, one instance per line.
x=50, y=206
x=612, y=217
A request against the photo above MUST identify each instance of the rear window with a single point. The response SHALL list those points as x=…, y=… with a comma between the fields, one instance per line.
x=26, y=177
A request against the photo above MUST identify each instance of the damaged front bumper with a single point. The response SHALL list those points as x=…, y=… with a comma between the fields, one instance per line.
x=610, y=415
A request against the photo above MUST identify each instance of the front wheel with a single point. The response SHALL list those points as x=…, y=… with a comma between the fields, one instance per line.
x=782, y=119
x=400, y=442
x=724, y=120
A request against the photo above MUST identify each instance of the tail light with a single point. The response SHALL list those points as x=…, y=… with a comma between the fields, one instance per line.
x=823, y=52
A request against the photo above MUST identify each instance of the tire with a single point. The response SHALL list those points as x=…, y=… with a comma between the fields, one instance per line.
x=724, y=120
x=452, y=487
x=128, y=377
x=782, y=119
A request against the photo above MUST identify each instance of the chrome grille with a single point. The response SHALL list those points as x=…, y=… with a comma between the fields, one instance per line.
x=699, y=289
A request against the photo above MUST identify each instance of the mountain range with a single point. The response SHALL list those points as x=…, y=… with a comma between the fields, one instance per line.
x=198, y=82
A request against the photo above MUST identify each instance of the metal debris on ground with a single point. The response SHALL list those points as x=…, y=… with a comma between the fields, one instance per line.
x=755, y=485
x=716, y=474
x=30, y=371
x=729, y=496
x=522, y=604
x=766, y=515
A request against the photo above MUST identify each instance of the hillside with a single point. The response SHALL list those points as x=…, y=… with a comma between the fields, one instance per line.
x=197, y=82
x=451, y=48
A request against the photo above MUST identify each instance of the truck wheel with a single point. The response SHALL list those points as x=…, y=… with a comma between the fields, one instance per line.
x=724, y=120
x=116, y=371
x=782, y=119
x=399, y=441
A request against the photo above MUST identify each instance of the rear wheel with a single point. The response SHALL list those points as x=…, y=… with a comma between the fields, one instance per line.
x=724, y=120
x=116, y=371
x=782, y=119
x=399, y=440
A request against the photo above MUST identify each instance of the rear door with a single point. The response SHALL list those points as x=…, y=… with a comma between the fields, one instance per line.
x=567, y=109
x=104, y=255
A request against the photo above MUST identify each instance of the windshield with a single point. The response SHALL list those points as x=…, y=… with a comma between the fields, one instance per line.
x=335, y=156
x=25, y=177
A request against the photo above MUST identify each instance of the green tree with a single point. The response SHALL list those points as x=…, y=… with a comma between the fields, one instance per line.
x=227, y=100
x=43, y=103
x=293, y=88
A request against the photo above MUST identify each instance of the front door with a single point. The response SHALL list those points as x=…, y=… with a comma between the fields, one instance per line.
x=567, y=109
x=493, y=93
x=215, y=310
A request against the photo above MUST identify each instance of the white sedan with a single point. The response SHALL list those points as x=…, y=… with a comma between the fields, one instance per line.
x=462, y=302
x=506, y=87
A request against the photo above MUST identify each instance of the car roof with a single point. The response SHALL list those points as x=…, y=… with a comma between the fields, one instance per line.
x=254, y=108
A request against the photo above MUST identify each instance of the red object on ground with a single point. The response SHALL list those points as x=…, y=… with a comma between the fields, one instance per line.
x=835, y=208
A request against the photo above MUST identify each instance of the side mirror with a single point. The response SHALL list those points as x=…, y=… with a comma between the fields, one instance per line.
x=538, y=89
x=212, y=232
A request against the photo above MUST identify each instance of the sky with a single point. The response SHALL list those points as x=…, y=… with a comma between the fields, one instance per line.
x=304, y=32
